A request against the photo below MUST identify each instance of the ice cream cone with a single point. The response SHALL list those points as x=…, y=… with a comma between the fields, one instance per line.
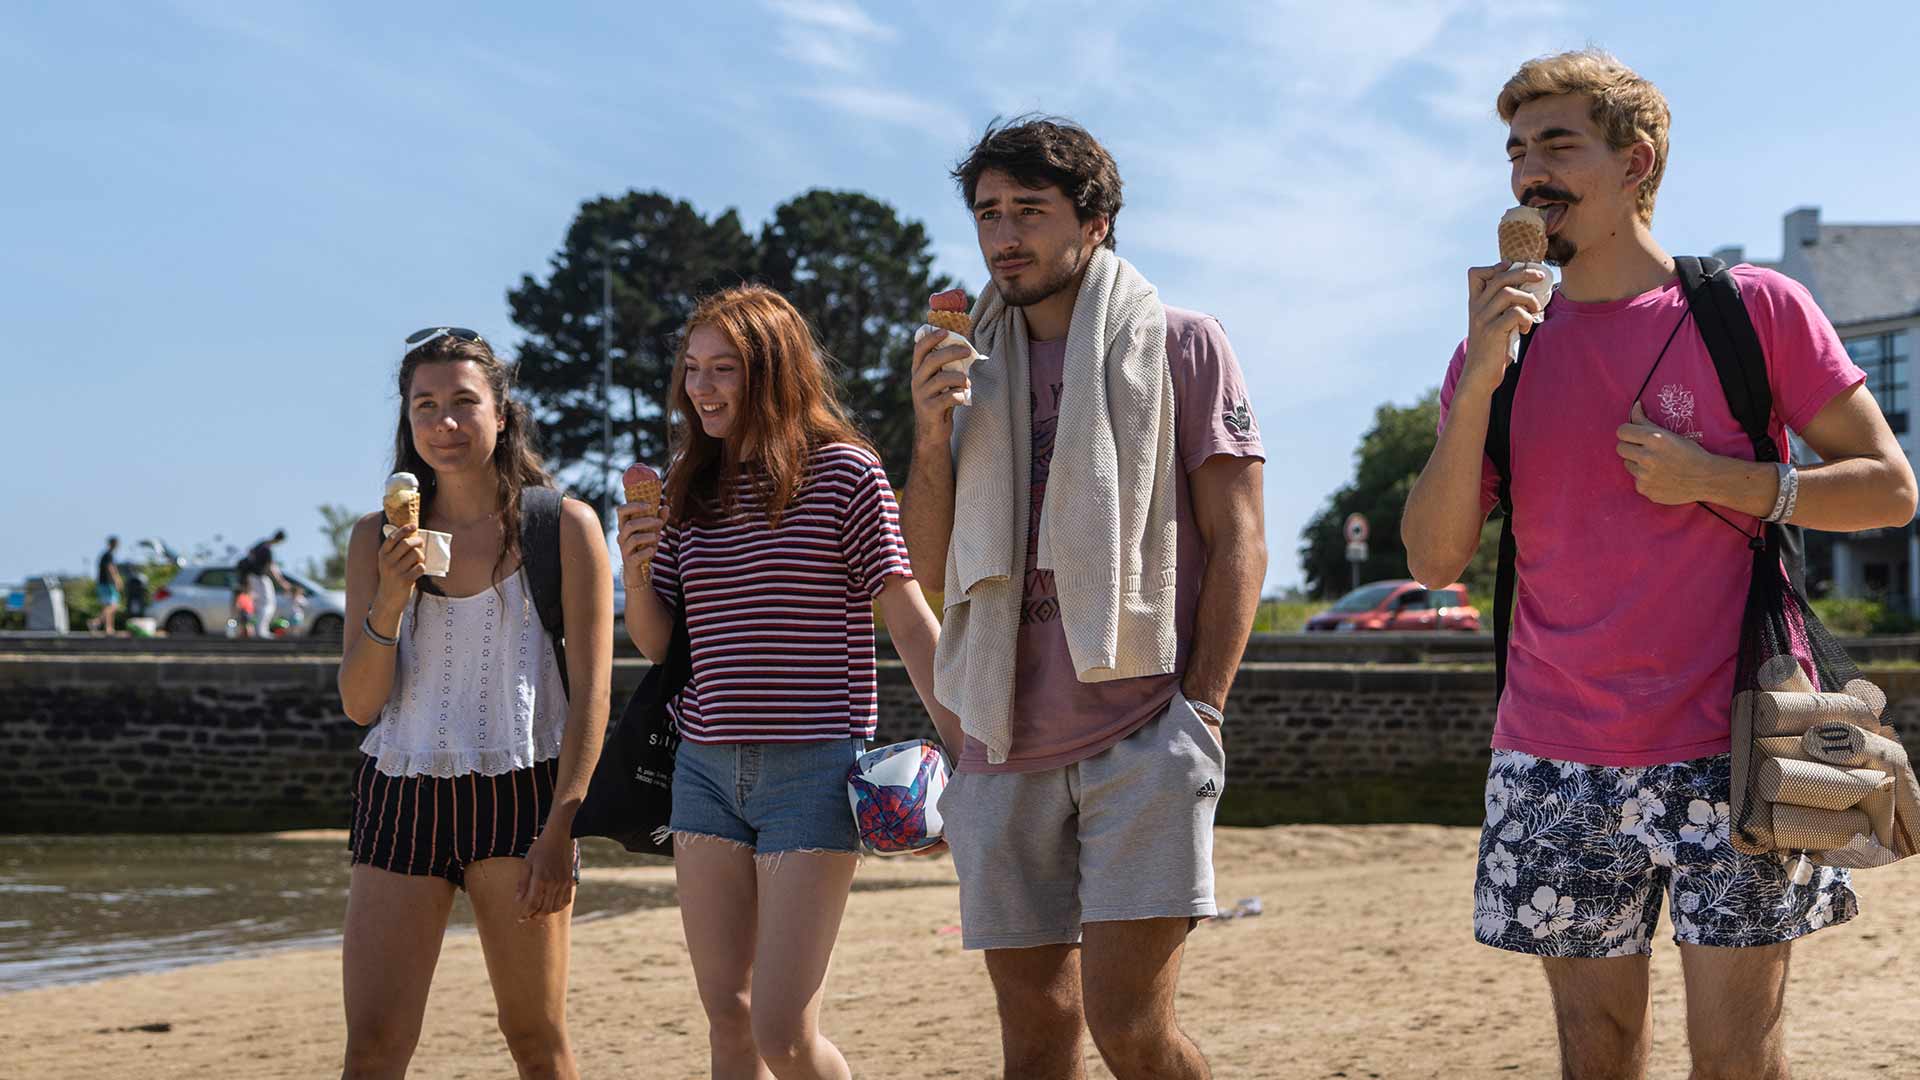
x=642, y=485
x=1523, y=240
x=948, y=311
x=402, y=500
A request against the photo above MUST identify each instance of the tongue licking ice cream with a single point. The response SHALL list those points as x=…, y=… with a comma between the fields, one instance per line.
x=643, y=486
x=402, y=500
x=947, y=312
x=1523, y=243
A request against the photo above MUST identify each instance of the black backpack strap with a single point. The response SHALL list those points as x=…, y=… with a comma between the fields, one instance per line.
x=1500, y=452
x=540, y=558
x=1725, y=327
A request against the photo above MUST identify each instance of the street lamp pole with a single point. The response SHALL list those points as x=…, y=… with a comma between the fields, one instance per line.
x=606, y=382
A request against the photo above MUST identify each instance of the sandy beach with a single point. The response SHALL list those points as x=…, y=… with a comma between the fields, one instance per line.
x=1363, y=966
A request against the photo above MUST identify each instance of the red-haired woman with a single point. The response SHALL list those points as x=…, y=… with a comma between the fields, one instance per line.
x=478, y=756
x=784, y=533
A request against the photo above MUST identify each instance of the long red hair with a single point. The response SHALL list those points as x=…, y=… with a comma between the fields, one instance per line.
x=791, y=408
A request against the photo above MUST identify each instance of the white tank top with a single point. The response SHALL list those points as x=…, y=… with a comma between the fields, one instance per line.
x=476, y=688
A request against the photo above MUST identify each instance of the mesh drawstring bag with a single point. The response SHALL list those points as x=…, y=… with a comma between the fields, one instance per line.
x=1816, y=775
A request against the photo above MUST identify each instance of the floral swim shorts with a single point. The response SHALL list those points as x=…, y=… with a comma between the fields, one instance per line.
x=1573, y=859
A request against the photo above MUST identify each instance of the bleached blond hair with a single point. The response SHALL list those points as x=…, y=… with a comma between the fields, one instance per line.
x=1626, y=108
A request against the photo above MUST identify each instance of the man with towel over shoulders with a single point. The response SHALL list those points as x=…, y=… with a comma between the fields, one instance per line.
x=1100, y=491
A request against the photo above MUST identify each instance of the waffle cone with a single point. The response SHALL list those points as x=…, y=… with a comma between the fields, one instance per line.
x=403, y=510
x=1522, y=241
x=957, y=321
x=646, y=494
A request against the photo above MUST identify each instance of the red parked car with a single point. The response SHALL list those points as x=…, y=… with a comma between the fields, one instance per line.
x=1400, y=605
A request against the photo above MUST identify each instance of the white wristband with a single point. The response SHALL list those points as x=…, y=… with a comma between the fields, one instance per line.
x=1789, y=494
x=1208, y=712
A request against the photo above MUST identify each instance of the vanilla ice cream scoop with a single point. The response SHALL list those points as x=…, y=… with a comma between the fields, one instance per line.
x=402, y=499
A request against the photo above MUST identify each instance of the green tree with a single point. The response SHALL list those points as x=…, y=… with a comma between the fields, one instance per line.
x=1386, y=464
x=862, y=276
x=851, y=265
x=663, y=255
x=337, y=527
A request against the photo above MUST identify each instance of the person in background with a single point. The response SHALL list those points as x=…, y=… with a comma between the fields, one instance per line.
x=260, y=575
x=107, y=586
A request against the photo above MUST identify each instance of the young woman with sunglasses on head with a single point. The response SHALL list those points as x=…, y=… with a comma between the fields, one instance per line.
x=478, y=756
x=784, y=533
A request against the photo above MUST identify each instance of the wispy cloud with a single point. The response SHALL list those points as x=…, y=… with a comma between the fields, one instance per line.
x=837, y=43
x=895, y=108
x=837, y=16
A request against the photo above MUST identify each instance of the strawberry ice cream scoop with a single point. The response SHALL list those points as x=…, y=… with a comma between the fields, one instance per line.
x=951, y=300
x=640, y=475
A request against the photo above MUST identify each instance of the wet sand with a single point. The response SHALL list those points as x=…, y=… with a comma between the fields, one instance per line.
x=1363, y=965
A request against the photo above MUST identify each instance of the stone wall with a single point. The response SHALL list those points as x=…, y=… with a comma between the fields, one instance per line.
x=120, y=740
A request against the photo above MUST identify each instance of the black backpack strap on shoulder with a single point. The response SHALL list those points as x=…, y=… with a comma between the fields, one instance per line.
x=1725, y=327
x=540, y=558
x=1500, y=452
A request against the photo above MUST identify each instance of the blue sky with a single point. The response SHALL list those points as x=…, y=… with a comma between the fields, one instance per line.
x=219, y=219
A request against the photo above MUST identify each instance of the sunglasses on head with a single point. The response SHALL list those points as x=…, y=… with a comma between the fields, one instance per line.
x=421, y=337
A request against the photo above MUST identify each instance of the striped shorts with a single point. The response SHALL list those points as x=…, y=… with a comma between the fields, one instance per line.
x=439, y=825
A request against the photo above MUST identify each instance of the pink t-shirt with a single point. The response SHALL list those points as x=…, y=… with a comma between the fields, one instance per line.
x=1627, y=613
x=1057, y=719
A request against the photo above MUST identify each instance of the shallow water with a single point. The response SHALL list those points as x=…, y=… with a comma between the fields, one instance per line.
x=78, y=908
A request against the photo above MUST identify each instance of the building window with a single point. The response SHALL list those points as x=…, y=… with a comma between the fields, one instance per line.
x=1884, y=358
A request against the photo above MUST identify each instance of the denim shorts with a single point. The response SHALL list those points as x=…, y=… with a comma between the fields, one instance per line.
x=1574, y=859
x=769, y=796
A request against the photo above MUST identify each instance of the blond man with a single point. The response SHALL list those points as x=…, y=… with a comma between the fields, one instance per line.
x=1610, y=777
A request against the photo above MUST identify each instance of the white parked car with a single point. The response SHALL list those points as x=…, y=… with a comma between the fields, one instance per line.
x=199, y=600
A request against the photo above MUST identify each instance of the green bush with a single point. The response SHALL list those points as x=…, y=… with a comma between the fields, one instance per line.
x=1859, y=617
x=1285, y=616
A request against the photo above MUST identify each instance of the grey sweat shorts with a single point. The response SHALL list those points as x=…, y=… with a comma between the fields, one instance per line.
x=1125, y=834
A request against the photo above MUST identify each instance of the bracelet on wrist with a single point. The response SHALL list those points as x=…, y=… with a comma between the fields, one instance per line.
x=1787, y=497
x=376, y=636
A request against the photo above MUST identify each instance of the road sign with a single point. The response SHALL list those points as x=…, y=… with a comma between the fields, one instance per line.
x=1357, y=551
x=1356, y=529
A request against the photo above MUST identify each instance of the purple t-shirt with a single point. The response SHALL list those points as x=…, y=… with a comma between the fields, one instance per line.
x=1627, y=615
x=1057, y=719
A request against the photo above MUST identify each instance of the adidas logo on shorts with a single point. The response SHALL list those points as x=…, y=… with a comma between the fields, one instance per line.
x=1208, y=790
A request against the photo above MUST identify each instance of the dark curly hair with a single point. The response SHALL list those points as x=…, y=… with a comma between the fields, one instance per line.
x=1047, y=151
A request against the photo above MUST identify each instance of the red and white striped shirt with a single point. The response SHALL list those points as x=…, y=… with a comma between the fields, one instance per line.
x=781, y=618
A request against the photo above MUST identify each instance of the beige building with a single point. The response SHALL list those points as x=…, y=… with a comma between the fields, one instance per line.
x=1867, y=280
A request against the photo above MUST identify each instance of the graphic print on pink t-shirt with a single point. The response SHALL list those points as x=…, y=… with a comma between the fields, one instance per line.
x=1627, y=613
x=1040, y=603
